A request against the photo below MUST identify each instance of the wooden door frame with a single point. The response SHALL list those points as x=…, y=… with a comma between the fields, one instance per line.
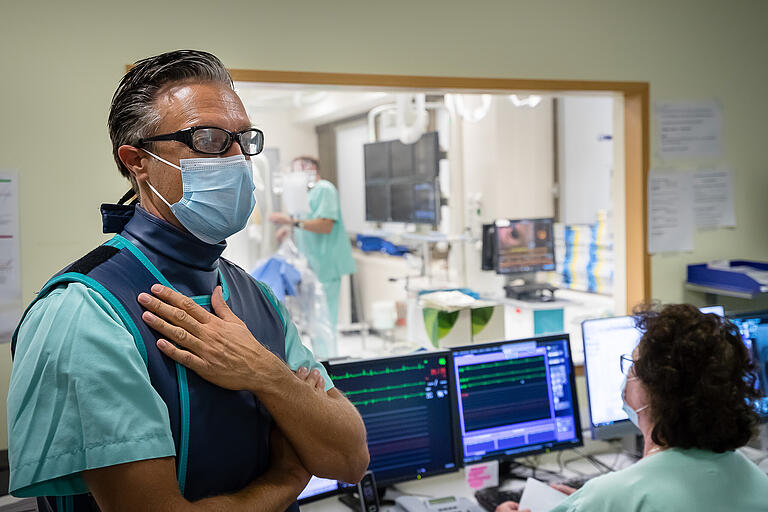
x=636, y=138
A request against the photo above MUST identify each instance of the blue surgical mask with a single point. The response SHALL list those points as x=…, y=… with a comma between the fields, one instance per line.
x=218, y=196
x=632, y=413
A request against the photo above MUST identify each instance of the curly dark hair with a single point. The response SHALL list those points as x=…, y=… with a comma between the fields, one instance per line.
x=699, y=378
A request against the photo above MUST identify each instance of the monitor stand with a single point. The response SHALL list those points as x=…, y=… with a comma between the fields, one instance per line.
x=352, y=499
x=524, y=287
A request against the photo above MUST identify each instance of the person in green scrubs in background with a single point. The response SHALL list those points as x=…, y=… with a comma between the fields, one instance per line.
x=689, y=388
x=321, y=235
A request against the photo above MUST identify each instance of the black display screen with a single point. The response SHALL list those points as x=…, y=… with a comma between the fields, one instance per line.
x=406, y=403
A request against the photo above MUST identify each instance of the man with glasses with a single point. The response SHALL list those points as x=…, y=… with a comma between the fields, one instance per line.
x=152, y=374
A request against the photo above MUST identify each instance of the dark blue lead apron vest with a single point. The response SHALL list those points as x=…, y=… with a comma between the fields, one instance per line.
x=221, y=436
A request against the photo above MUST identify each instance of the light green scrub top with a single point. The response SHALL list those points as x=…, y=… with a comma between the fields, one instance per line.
x=329, y=256
x=80, y=396
x=679, y=480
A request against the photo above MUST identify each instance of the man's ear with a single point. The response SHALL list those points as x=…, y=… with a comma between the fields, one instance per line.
x=134, y=160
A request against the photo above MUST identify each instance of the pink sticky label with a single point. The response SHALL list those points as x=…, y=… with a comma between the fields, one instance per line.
x=482, y=475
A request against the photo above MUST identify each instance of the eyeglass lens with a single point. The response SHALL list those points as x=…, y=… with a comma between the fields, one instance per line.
x=216, y=140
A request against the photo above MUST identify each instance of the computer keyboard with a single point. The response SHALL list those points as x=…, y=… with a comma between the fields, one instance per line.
x=491, y=497
x=575, y=483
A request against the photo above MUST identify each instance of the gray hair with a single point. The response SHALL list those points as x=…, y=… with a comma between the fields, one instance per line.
x=133, y=115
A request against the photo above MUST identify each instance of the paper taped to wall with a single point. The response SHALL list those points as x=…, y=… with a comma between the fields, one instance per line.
x=690, y=129
x=713, y=199
x=670, y=212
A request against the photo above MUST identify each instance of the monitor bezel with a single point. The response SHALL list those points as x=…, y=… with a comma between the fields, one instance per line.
x=574, y=394
x=616, y=429
x=761, y=313
x=538, y=268
x=384, y=482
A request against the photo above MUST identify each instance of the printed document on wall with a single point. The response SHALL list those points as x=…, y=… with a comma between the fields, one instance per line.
x=690, y=129
x=670, y=212
x=713, y=199
x=10, y=264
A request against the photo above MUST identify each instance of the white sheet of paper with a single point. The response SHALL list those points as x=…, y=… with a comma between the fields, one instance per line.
x=670, y=212
x=690, y=129
x=539, y=497
x=713, y=199
x=10, y=262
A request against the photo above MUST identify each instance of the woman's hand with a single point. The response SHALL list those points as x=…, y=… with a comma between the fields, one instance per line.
x=509, y=506
x=563, y=489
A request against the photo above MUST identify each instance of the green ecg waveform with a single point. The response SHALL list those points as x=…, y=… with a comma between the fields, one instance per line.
x=501, y=381
x=508, y=362
x=372, y=373
x=521, y=374
x=385, y=388
x=387, y=399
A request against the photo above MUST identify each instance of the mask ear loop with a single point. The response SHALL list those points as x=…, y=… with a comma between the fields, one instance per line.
x=623, y=397
x=150, y=185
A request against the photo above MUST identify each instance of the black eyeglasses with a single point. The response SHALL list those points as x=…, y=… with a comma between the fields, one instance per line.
x=626, y=362
x=211, y=140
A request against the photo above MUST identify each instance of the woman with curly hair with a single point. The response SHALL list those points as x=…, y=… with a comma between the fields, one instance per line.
x=689, y=388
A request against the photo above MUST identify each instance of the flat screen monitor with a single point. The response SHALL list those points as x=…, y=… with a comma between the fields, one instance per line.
x=401, y=159
x=377, y=205
x=605, y=341
x=754, y=331
x=318, y=488
x=523, y=246
x=516, y=398
x=426, y=203
x=426, y=156
x=377, y=162
x=401, y=181
x=401, y=202
x=406, y=403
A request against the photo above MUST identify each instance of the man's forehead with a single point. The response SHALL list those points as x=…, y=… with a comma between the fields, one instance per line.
x=191, y=104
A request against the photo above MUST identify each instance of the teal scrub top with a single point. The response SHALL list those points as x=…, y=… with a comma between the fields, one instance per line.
x=329, y=256
x=80, y=396
x=679, y=480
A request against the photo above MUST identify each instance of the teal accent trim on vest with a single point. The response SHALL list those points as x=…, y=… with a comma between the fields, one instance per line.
x=273, y=300
x=121, y=242
x=107, y=295
x=59, y=504
x=181, y=376
x=181, y=372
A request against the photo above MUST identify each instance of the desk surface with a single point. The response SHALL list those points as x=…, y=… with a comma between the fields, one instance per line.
x=572, y=462
x=455, y=484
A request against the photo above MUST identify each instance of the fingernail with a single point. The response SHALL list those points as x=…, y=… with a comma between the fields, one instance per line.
x=144, y=298
x=157, y=288
x=148, y=316
x=162, y=344
x=316, y=372
x=302, y=371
